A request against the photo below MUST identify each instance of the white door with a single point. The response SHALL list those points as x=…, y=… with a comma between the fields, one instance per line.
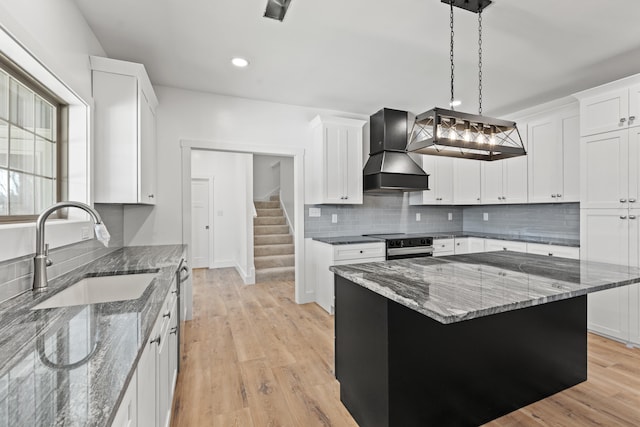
x=200, y=222
x=604, y=113
x=444, y=182
x=570, y=126
x=335, y=167
x=605, y=237
x=491, y=177
x=544, y=160
x=466, y=182
x=515, y=180
x=604, y=169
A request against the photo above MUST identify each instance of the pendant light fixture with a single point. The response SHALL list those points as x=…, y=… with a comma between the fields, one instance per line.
x=446, y=132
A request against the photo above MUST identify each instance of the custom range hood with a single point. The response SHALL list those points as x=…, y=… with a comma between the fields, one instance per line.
x=389, y=168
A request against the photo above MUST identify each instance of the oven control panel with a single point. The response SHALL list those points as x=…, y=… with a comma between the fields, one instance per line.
x=410, y=242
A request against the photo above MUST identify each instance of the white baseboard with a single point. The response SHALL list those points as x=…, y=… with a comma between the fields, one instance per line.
x=249, y=278
x=223, y=264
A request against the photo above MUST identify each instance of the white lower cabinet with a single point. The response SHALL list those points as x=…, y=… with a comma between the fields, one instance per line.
x=320, y=256
x=151, y=395
x=491, y=245
x=612, y=235
x=127, y=414
x=468, y=245
x=553, y=250
x=443, y=247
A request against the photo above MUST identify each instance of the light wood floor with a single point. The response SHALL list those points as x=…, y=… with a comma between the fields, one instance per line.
x=254, y=358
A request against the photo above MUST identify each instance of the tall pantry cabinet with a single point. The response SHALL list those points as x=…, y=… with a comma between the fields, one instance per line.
x=609, y=199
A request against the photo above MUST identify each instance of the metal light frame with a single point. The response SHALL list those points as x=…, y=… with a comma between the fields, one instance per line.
x=449, y=133
x=442, y=132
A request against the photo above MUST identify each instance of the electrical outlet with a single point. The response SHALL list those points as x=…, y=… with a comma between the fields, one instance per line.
x=485, y=216
x=334, y=218
x=86, y=233
x=450, y=216
x=314, y=212
x=418, y=216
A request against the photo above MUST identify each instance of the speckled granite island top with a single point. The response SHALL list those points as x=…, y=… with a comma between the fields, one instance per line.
x=461, y=287
x=70, y=366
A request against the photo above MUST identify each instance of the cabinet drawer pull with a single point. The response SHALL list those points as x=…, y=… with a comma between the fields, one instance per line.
x=632, y=200
x=623, y=217
x=550, y=254
x=156, y=340
x=558, y=195
x=151, y=196
x=632, y=217
x=167, y=314
x=632, y=118
x=623, y=200
x=174, y=330
x=553, y=196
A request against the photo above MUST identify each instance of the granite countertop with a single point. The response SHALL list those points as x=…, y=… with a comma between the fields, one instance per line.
x=70, y=366
x=461, y=287
x=347, y=240
x=516, y=238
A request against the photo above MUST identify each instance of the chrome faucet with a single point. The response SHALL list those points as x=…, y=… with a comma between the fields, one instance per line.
x=41, y=260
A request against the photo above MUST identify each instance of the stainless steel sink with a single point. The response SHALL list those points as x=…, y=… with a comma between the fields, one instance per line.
x=95, y=290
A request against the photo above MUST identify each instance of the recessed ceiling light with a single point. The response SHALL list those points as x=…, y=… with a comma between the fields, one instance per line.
x=239, y=62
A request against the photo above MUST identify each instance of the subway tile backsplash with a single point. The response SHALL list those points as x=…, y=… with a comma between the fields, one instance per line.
x=392, y=213
x=381, y=214
x=16, y=275
x=541, y=220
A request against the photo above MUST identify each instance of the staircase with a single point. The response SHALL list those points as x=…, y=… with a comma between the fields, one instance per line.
x=273, y=245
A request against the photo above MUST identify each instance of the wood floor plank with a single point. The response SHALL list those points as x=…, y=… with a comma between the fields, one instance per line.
x=255, y=358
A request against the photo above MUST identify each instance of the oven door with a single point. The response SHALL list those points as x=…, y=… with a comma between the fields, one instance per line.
x=411, y=252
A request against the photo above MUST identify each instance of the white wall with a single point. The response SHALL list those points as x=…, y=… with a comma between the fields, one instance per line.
x=230, y=216
x=56, y=35
x=184, y=114
x=266, y=176
x=286, y=189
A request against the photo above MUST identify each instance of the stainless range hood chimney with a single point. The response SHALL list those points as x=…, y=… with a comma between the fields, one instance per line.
x=389, y=168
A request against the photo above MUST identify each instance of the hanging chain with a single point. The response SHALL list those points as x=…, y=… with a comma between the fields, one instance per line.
x=480, y=63
x=451, y=51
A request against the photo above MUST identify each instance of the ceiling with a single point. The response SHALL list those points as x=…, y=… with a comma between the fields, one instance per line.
x=361, y=55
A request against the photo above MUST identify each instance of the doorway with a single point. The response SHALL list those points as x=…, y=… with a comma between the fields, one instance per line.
x=304, y=292
x=201, y=227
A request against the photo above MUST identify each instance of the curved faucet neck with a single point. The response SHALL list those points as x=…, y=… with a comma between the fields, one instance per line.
x=40, y=223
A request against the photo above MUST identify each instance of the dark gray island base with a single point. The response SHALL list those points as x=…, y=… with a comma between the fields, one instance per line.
x=462, y=340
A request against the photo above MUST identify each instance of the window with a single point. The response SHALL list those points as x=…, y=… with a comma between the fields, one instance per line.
x=30, y=146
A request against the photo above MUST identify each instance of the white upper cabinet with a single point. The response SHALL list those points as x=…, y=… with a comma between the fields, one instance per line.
x=553, y=157
x=609, y=111
x=334, y=168
x=605, y=162
x=466, y=182
x=125, y=133
x=504, y=181
x=440, y=170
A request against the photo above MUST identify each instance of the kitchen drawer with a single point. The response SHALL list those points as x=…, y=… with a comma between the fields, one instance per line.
x=554, y=250
x=443, y=245
x=491, y=245
x=358, y=251
x=358, y=261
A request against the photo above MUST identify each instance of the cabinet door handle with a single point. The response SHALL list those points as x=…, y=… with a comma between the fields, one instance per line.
x=623, y=217
x=478, y=199
x=174, y=330
x=632, y=200
x=167, y=314
x=151, y=196
x=632, y=217
x=631, y=118
x=623, y=200
x=558, y=195
x=553, y=196
x=156, y=340
x=622, y=120
x=346, y=197
x=550, y=254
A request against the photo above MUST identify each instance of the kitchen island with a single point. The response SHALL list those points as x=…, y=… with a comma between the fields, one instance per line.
x=461, y=340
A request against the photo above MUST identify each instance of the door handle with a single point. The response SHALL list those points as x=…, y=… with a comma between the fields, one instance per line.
x=206, y=227
x=632, y=217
